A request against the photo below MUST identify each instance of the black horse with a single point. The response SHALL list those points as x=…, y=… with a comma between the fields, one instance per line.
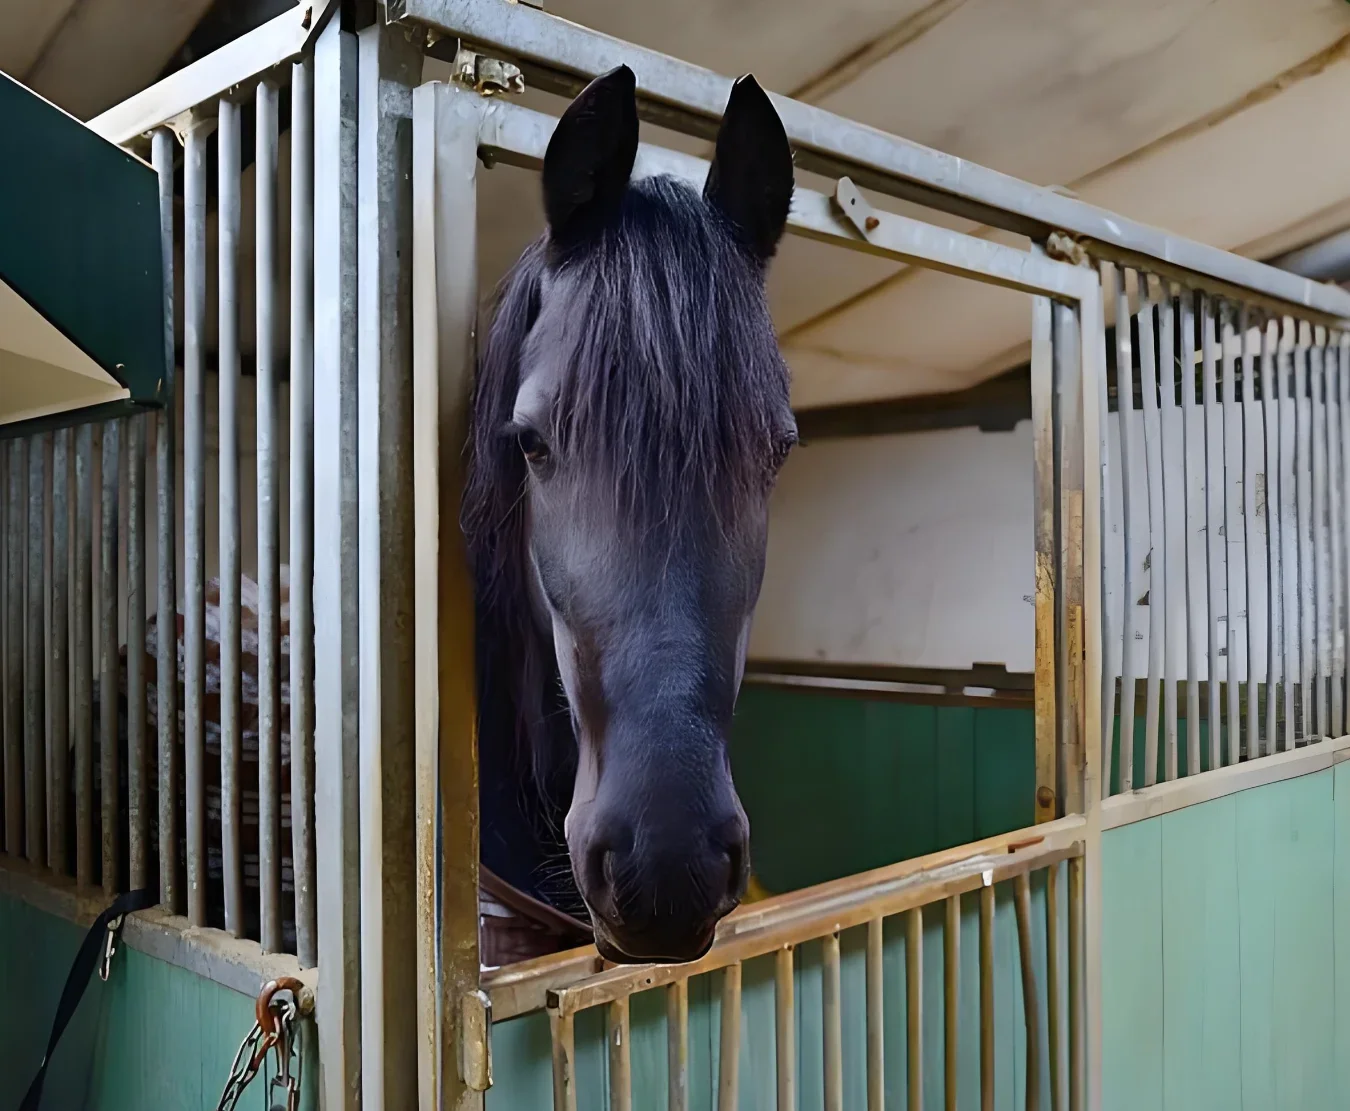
x=629, y=419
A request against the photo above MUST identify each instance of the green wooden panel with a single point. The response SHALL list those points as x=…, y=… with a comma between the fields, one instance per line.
x=836, y=785
x=154, y=1036
x=1132, y=963
x=1284, y=845
x=1201, y=989
x=1341, y=922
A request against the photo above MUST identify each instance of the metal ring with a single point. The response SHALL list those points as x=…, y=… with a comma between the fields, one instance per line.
x=267, y=1019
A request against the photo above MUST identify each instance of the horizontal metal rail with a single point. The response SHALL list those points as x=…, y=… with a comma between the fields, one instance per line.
x=560, y=56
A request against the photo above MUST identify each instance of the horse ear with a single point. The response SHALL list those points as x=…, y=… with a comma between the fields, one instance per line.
x=590, y=156
x=751, y=176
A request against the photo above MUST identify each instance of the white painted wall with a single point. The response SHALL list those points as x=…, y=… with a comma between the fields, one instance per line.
x=911, y=550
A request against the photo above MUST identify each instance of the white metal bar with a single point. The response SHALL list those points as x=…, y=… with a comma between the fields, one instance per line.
x=1253, y=449
x=1321, y=557
x=1343, y=360
x=1174, y=528
x=166, y=511
x=827, y=143
x=1234, y=540
x=1157, y=528
x=1198, y=659
x=1335, y=536
x=1214, y=500
x=1303, y=461
x=1130, y=458
x=194, y=515
x=227, y=437
x=1270, y=403
x=302, y=509
x=1290, y=545
x=336, y=646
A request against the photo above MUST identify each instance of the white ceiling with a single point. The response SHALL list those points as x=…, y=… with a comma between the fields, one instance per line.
x=1217, y=119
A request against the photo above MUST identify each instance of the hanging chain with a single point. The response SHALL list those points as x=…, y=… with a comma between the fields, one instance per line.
x=275, y=1030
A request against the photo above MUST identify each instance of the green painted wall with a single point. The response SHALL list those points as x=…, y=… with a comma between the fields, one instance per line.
x=521, y=1048
x=154, y=1036
x=1221, y=982
x=836, y=785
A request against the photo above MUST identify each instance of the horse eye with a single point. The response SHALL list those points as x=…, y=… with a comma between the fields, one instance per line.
x=532, y=446
x=782, y=445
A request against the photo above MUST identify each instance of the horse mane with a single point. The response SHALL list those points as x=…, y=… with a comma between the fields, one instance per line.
x=674, y=387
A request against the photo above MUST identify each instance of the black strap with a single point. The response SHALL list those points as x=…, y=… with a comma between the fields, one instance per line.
x=86, y=960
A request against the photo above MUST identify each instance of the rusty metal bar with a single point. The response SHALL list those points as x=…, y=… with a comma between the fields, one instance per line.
x=108, y=680
x=914, y=1007
x=562, y=1028
x=1044, y=497
x=832, y=1024
x=1055, y=1033
x=785, y=1029
x=987, y=998
x=1030, y=996
x=677, y=1046
x=876, y=1017
x=729, y=1057
x=620, y=1057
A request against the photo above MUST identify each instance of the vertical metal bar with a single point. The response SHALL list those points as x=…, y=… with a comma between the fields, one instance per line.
x=302, y=510
x=1231, y=493
x=83, y=655
x=914, y=1007
x=390, y=65
x=9, y=786
x=194, y=514
x=563, y=1031
x=951, y=1000
x=231, y=729
x=1030, y=996
x=1071, y=654
x=336, y=613
x=785, y=1030
x=876, y=1017
x=166, y=510
x=269, y=520
x=1174, y=529
x=58, y=689
x=1109, y=572
x=832, y=1023
x=445, y=307
x=34, y=659
x=677, y=1045
x=137, y=764
x=1290, y=544
x=1129, y=459
x=1303, y=452
x=1275, y=588
x=729, y=1057
x=1336, y=552
x=1157, y=532
x=15, y=535
x=1077, y=989
x=987, y=997
x=620, y=1057
x=1044, y=496
x=108, y=658
x=1343, y=386
x=1214, y=501
x=1321, y=592
x=1054, y=1027
x=1253, y=439
x=1197, y=575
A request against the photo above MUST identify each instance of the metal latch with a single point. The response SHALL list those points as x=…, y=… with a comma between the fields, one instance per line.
x=475, y=1040
x=484, y=75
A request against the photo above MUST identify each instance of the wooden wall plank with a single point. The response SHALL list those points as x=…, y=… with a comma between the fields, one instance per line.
x=1201, y=993
x=1132, y=947
x=1340, y=886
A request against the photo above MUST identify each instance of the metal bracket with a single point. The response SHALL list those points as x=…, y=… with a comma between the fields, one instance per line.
x=484, y=75
x=854, y=206
x=475, y=1040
